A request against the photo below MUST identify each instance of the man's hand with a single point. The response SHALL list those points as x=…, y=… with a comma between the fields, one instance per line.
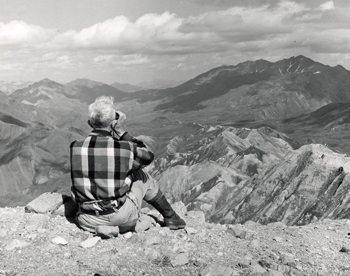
x=121, y=119
x=117, y=125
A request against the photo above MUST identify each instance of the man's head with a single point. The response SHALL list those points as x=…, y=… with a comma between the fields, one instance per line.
x=101, y=112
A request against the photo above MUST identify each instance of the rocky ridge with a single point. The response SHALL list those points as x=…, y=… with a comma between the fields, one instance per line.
x=235, y=175
x=51, y=244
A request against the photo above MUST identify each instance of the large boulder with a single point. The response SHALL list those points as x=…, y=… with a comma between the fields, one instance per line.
x=53, y=203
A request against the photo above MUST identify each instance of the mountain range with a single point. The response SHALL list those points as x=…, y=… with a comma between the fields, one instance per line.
x=258, y=141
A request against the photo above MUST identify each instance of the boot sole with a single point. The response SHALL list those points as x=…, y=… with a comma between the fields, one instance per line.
x=175, y=227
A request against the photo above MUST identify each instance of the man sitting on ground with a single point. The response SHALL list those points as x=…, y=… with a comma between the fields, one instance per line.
x=100, y=168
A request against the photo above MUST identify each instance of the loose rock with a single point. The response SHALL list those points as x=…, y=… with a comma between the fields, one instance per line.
x=90, y=242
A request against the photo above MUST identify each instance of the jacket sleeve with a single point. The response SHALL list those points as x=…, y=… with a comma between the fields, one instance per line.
x=144, y=156
x=127, y=137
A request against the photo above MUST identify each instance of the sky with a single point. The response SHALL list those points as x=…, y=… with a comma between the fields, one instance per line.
x=136, y=41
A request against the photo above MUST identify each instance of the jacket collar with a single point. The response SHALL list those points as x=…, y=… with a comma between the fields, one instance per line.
x=100, y=132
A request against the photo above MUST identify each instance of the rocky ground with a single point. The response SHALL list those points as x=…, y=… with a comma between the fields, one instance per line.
x=44, y=244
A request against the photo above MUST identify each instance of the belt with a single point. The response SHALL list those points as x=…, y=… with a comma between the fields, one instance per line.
x=107, y=211
x=97, y=213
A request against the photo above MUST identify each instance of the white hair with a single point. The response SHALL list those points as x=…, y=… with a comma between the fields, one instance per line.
x=101, y=112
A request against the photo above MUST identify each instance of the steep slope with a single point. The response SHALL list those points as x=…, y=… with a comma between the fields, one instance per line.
x=329, y=116
x=35, y=141
x=254, y=90
x=38, y=92
x=236, y=175
x=246, y=150
x=309, y=184
x=219, y=163
x=328, y=125
x=37, y=155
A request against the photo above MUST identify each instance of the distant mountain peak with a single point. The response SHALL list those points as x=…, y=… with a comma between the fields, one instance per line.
x=45, y=81
x=258, y=86
x=9, y=87
x=84, y=82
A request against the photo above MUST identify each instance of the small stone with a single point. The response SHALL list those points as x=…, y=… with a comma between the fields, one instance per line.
x=3, y=232
x=278, y=239
x=244, y=263
x=89, y=242
x=153, y=240
x=190, y=230
x=256, y=268
x=144, y=223
x=127, y=235
x=274, y=273
x=236, y=232
x=16, y=244
x=254, y=244
x=59, y=240
x=197, y=216
x=288, y=259
x=107, y=231
x=164, y=231
x=199, y=262
x=284, y=269
x=217, y=270
x=180, y=259
x=31, y=236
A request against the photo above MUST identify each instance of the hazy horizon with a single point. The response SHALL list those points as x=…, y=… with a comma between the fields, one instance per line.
x=136, y=41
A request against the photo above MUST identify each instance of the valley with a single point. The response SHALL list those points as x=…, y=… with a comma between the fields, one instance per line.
x=256, y=141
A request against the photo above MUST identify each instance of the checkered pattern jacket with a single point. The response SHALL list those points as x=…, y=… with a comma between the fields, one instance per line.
x=100, y=164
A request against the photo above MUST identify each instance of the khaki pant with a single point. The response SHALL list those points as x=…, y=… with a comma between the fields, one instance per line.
x=128, y=215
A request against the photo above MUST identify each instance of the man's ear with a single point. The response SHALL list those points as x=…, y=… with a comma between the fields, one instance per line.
x=89, y=123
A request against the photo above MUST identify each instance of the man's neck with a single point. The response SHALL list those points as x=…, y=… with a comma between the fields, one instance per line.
x=104, y=131
x=103, y=128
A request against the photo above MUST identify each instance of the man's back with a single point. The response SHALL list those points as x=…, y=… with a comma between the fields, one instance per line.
x=99, y=166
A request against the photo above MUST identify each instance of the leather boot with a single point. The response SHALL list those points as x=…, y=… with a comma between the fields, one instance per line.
x=171, y=219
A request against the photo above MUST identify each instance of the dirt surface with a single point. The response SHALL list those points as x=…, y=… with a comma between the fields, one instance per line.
x=42, y=244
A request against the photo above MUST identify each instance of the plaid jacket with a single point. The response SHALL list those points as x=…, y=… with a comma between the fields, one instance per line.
x=100, y=164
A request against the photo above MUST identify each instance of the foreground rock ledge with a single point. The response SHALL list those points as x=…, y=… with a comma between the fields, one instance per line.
x=29, y=247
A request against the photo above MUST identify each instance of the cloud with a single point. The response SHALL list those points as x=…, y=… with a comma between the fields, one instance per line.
x=121, y=60
x=327, y=6
x=238, y=3
x=260, y=29
x=16, y=33
x=159, y=34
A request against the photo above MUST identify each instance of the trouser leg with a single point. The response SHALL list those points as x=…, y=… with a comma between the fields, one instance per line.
x=156, y=198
